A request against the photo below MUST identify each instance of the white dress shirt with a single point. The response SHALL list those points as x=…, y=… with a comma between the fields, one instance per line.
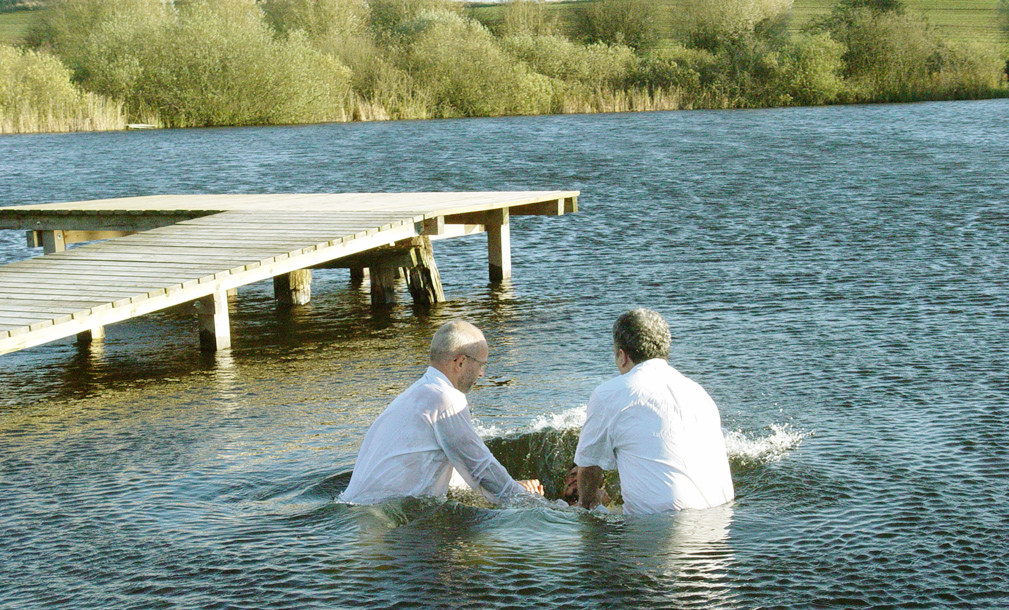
x=663, y=435
x=413, y=446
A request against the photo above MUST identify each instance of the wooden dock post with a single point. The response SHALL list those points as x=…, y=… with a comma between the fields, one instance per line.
x=499, y=245
x=383, y=283
x=294, y=288
x=87, y=337
x=358, y=275
x=52, y=242
x=215, y=330
x=422, y=277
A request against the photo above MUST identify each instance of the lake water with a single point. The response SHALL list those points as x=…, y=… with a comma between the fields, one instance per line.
x=837, y=278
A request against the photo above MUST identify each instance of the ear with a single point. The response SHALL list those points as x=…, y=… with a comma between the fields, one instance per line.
x=623, y=361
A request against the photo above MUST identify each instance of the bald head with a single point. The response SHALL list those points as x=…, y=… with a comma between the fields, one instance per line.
x=454, y=339
x=459, y=350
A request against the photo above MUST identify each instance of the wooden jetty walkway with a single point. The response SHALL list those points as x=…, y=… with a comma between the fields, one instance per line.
x=149, y=253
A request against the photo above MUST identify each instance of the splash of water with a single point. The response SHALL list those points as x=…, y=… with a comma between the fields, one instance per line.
x=544, y=449
x=746, y=450
x=569, y=419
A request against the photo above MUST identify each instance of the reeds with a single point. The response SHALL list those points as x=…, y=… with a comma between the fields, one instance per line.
x=36, y=95
x=90, y=113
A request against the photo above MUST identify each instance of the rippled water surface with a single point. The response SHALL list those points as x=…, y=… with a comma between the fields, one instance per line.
x=837, y=278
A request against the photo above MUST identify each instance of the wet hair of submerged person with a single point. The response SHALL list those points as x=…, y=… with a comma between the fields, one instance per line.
x=570, y=490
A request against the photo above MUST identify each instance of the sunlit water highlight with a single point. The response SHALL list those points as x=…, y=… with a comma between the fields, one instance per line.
x=835, y=277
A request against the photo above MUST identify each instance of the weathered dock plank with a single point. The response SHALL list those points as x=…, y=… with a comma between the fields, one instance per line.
x=164, y=250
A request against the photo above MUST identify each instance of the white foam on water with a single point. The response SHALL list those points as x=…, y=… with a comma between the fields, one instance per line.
x=778, y=441
x=565, y=420
x=487, y=431
x=764, y=449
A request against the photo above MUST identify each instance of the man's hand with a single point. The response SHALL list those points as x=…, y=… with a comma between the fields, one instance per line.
x=532, y=486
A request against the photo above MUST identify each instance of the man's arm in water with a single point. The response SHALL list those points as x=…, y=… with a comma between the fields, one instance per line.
x=589, y=480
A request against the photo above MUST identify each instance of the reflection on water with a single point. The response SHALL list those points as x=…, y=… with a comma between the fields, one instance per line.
x=834, y=277
x=452, y=555
x=666, y=560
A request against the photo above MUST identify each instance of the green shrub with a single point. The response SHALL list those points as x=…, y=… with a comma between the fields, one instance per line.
x=963, y=70
x=674, y=66
x=811, y=74
x=65, y=25
x=467, y=74
x=320, y=19
x=878, y=6
x=890, y=56
x=896, y=56
x=634, y=23
x=391, y=19
x=709, y=24
x=594, y=65
x=527, y=17
x=339, y=28
x=215, y=64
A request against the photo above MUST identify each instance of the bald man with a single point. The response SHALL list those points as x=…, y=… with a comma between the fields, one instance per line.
x=414, y=445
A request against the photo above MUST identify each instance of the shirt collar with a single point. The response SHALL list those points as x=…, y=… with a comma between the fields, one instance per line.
x=433, y=374
x=650, y=364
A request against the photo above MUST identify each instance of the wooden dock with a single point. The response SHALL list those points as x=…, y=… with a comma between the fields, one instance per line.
x=145, y=254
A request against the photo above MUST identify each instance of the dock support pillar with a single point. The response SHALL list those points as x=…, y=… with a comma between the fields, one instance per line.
x=87, y=337
x=294, y=288
x=53, y=241
x=499, y=246
x=358, y=275
x=215, y=330
x=383, y=284
x=423, y=278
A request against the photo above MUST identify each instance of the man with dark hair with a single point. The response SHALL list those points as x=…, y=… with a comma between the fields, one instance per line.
x=426, y=433
x=658, y=429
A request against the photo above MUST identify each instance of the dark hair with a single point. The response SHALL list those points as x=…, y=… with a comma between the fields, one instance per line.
x=642, y=334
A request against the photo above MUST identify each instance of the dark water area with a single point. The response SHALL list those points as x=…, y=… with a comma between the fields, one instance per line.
x=837, y=279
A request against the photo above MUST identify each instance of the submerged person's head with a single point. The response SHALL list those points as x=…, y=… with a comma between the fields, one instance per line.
x=570, y=493
x=642, y=334
x=459, y=350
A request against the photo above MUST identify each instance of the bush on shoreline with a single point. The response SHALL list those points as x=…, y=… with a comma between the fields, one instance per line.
x=894, y=56
x=37, y=95
x=237, y=62
x=215, y=64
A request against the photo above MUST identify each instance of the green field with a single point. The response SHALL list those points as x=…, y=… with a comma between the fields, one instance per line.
x=13, y=26
x=958, y=19
x=975, y=20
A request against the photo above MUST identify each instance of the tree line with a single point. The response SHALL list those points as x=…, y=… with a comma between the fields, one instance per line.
x=240, y=62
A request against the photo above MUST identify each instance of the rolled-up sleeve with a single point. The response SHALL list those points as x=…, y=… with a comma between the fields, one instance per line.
x=595, y=444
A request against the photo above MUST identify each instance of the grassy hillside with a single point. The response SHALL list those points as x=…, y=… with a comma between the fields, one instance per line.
x=959, y=19
x=975, y=20
x=13, y=26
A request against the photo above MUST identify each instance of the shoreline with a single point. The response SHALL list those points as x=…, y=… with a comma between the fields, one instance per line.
x=159, y=127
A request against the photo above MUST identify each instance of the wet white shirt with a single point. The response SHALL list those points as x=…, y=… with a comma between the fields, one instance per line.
x=413, y=446
x=663, y=435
